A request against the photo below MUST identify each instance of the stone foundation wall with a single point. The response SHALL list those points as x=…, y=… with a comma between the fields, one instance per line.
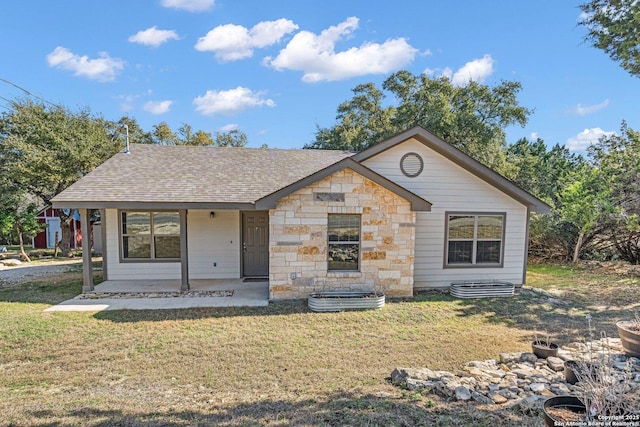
x=298, y=239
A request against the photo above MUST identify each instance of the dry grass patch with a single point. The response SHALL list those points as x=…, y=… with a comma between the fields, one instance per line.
x=281, y=365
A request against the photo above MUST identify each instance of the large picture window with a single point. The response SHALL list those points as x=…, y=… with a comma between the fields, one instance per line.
x=344, y=242
x=475, y=239
x=150, y=235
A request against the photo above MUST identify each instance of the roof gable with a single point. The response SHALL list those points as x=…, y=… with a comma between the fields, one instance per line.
x=461, y=159
x=417, y=202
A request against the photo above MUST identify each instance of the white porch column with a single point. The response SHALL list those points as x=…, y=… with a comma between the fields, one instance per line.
x=87, y=266
x=184, y=255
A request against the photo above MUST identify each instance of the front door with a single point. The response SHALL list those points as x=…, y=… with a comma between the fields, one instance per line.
x=255, y=244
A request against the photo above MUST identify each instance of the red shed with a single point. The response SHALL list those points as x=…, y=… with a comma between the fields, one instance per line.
x=46, y=238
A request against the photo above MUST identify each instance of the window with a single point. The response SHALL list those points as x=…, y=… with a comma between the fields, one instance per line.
x=150, y=235
x=474, y=239
x=344, y=242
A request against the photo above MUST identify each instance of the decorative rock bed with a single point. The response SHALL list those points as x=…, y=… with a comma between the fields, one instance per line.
x=133, y=295
x=518, y=380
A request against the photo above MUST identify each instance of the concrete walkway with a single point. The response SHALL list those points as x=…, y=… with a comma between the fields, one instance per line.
x=245, y=294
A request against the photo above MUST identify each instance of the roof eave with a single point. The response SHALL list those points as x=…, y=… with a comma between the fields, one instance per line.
x=136, y=205
x=463, y=160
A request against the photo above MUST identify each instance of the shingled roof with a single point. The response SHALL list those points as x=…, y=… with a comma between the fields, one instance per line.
x=196, y=177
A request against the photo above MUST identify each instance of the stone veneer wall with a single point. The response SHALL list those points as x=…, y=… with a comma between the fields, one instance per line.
x=298, y=239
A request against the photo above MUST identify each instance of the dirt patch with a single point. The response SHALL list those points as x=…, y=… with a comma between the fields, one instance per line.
x=618, y=268
x=29, y=271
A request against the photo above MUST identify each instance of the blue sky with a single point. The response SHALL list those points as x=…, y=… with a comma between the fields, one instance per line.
x=278, y=69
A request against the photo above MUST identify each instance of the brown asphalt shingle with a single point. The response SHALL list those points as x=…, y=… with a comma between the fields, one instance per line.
x=152, y=173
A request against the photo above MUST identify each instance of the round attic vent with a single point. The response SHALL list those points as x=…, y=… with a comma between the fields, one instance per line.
x=411, y=165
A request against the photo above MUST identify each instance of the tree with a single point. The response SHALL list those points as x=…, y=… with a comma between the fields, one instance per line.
x=43, y=150
x=547, y=173
x=471, y=117
x=585, y=202
x=18, y=216
x=232, y=138
x=163, y=135
x=362, y=122
x=136, y=134
x=614, y=27
x=187, y=137
x=18, y=220
x=618, y=159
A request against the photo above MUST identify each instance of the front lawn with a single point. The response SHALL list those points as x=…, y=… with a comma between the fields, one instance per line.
x=281, y=365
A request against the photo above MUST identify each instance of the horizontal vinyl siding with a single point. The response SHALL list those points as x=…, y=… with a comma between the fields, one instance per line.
x=209, y=240
x=133, y=270
x=214, y=240
x=451, y=188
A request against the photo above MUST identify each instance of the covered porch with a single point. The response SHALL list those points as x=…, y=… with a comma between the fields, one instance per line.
x=163, y=294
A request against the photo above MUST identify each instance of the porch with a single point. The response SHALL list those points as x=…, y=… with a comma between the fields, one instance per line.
x=162, y=295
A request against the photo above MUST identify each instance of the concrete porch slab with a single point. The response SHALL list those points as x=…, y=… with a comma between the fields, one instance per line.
x=245, y=294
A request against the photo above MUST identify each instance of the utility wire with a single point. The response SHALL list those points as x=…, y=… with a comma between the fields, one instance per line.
x=28, y=93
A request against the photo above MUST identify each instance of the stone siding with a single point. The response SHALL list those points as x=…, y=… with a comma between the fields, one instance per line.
x=298, y=239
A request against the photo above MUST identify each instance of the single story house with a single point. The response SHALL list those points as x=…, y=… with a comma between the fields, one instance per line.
x=409, y=213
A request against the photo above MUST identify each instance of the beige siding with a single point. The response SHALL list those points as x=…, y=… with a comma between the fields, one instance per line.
x=210, y=240
x=451, y=188
x=133, y=270
x=214, y=240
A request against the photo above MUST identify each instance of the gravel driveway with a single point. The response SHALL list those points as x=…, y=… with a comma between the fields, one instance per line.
x=24, y=272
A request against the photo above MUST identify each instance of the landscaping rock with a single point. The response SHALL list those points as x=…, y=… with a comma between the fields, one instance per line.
x=517, y=380
x=10, y=262
x=499, y=399
x=510, y=357
x=463, y=393
x=555, y=363
x=481, y=398
x=536, y=387
x=528, y=357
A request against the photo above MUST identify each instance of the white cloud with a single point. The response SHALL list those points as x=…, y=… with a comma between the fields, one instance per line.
x=230, y=101
x=316, y=57
x=234, y=42
x=477, y=70
x=127, y=101
x=189, y=5
x=153, y=36
x=102, y=69
x=157, y=107
x=229, y=127
x=583, y=110
x=533, y=136
x=581, y=141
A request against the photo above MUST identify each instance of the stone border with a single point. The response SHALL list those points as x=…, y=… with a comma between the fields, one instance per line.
x=134, y=295
x=517, y=380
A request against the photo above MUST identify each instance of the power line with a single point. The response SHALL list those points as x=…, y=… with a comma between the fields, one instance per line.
x=28, y=93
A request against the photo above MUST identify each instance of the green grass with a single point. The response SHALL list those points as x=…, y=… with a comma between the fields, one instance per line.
x=280, y=365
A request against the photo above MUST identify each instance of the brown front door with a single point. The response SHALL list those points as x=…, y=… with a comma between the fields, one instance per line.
x=255, y=244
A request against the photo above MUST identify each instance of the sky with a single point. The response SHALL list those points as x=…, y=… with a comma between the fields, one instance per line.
x=277, y=70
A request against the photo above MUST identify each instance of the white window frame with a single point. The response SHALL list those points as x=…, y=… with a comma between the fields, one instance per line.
x=334, y=242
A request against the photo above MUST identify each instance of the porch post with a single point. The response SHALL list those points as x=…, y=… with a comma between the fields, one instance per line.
x=184, y=255
x=87, y=267
x=103, y=230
